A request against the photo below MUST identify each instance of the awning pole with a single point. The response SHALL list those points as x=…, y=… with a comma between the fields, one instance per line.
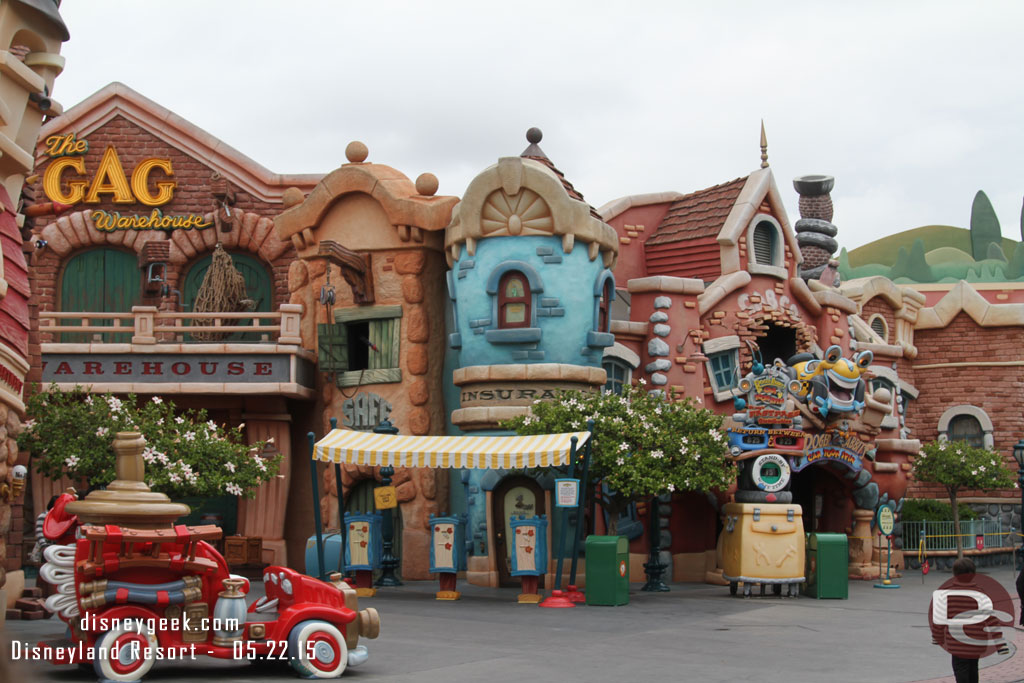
x=316, y=507
x=580, y=526
x=565, y=519
x=342, y=527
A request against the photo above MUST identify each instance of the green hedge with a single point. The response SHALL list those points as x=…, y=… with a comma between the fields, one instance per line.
x=931, y=510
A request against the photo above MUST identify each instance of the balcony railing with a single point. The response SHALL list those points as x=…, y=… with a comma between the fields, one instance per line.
x=149, y=325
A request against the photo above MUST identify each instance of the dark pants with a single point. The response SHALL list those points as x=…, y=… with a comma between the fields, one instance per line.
x=965, y=670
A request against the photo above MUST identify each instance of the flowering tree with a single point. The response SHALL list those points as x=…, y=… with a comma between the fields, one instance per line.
x=957, y=465
x=643, y=445
x=71, y=433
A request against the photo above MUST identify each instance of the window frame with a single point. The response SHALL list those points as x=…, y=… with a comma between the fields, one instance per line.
x=718, y=348
x=987, y=428
x=885, y=326
x=777, y=267
x=372, y=315
x=503, y=300
x=609, y=363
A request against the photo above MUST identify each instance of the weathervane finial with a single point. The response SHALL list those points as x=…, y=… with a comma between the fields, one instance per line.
x=764, y=147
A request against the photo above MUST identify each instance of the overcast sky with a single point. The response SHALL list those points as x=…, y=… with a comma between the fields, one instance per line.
x=912, y=106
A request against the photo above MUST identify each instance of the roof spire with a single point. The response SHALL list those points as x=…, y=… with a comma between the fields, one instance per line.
x=764, y=147
x=534, y=136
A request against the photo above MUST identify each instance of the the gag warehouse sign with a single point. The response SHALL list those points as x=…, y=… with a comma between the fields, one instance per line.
x=67, y=181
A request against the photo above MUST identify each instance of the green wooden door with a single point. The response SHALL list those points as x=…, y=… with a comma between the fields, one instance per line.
x=257, y=286
x=100, y=281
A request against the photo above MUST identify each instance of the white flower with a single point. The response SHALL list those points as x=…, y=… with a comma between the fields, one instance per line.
x=657, y=454
x=261, y=465
x=942, y=446
x=671, y=488
x=174, y=477
x=981, y=468
x=974, y=471
x=212, y=425
x=29, y=424
x=696, y=456
x=619, y=461
x=71, y=462
x=88, y=400
x=102, y=431
x=233, y=489
x=115, y=404
x=623, y=446
x=716, y=435
x=230, y=467
x=160, y=421
x=157, y=400
x=642, y=382
x=190, y=436
x=179, y=420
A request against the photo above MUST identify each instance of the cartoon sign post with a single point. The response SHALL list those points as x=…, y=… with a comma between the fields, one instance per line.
x=885, y=522
x=363, y=549
x=447, y=553
x=529, y=554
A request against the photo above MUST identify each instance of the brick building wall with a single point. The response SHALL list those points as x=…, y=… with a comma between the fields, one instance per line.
x=995, y=389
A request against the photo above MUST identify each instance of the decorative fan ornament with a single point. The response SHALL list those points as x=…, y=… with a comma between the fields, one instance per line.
x=514, y=214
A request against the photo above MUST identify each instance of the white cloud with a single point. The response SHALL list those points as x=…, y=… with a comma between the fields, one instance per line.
x=912, y=106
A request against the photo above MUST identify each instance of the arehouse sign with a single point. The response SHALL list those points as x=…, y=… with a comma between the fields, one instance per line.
x=63, y=183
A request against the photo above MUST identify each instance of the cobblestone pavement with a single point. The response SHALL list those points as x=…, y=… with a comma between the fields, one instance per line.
x=693, y=633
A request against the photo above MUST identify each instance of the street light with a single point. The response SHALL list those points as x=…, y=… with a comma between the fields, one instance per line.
x=1018, y=455
x=388, y=562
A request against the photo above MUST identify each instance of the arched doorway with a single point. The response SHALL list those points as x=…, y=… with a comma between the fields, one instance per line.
x=258, y=286
x=100, y=281
x=360, y=500
x=825, y=498
x=514, y=496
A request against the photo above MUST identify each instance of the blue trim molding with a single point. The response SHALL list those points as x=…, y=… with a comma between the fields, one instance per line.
x=532, y=276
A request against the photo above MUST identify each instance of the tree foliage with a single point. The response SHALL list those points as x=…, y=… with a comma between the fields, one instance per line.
x=985, y=228
x=958, y=466
x=643, y=445
x=71, y=433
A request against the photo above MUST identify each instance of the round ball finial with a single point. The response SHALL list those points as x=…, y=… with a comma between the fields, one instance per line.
x=292, y=197
x=356, y=152
x=426, y=184
x=534, y=135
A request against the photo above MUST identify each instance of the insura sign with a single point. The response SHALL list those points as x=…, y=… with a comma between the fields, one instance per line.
x=832, y=445
x=66, y=181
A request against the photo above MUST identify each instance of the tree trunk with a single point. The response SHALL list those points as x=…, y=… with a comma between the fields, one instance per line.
x=956, y=523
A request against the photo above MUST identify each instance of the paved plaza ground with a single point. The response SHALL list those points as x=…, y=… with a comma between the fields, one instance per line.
x=693, y=633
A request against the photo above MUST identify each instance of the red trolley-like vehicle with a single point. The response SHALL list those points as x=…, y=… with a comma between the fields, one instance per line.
x=131, y=597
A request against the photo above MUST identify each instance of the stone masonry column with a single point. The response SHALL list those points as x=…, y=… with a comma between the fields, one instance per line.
x=815, y=232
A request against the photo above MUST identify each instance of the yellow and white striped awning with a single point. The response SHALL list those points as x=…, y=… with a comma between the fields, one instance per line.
x=481, y=452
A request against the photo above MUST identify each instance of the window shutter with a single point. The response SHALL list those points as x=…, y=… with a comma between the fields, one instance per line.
x=384, y=333
x=878, y=326
x=764, y=241
x=332, y=347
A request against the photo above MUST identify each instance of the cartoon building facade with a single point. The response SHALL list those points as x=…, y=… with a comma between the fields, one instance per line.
x=447, y=315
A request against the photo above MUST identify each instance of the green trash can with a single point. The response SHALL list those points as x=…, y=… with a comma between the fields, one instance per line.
x=827, y=560
x=607, y=570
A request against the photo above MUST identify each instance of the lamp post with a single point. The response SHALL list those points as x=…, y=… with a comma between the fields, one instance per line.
x=1018, y=455
x=388, y=562
x=654, y=567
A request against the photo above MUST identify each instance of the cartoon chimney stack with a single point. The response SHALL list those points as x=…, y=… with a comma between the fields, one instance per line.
x=815, y=232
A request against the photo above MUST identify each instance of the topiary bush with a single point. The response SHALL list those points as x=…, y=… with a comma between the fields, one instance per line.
x=931, y=510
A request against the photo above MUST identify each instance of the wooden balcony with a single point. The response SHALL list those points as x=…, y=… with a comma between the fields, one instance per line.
x=148, y=351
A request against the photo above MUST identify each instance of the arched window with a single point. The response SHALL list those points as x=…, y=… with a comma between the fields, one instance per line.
x=764, y=247
x=966, y=428
x=513, y=300
x=969, y=424
x=100, y=281
x=880, y=327
x=604, y=316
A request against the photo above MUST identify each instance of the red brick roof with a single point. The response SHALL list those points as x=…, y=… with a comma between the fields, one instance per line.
x=572, y=191
x=699, y=214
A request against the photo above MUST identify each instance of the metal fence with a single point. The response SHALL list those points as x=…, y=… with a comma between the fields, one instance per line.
x=940, y=535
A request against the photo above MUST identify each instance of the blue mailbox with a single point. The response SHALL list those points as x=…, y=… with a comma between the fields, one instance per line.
x=447, y=544
x=364, y=544
x=529, y=545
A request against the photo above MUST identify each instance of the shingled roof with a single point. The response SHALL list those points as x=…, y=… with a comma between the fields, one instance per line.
x=534, y=152
x=699, y=214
